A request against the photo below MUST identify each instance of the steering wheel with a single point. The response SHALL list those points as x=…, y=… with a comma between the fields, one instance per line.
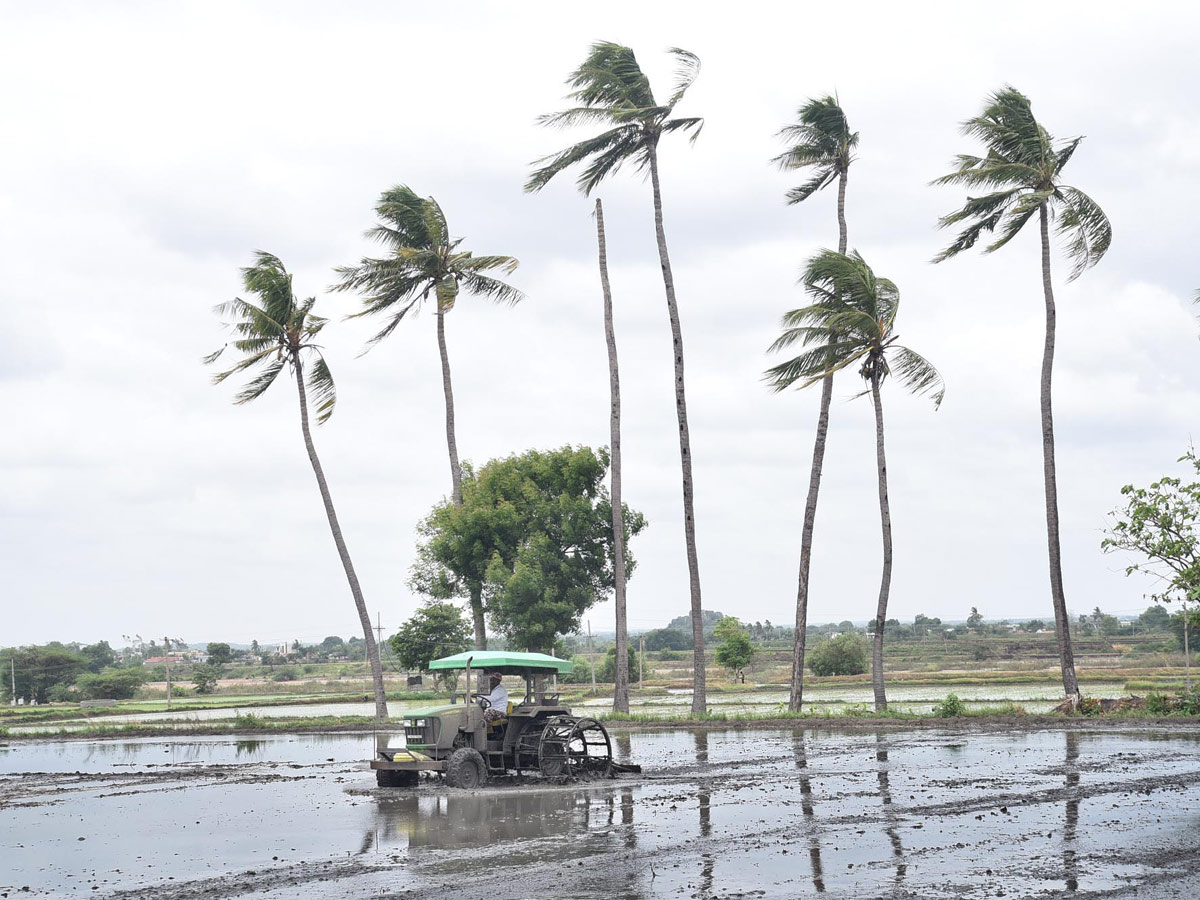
x=484, y=703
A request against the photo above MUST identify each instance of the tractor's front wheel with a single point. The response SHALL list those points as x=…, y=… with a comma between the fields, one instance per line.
x=395, y=778
x=466, y=768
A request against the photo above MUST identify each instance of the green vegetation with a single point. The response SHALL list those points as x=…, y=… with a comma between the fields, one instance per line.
x=534, y=534
x=845, y=654
x=950, y=707
x=435, y=630
x=735, y=650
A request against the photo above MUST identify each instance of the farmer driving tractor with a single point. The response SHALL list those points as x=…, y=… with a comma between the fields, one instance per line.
x=497, y=700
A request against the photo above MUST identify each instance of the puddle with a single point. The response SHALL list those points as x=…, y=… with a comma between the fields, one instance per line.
x=737, y=813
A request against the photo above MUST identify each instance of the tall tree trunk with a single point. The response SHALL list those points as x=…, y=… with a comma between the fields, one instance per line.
x=699, y=693
x=364, y=618
x=451, y=443
x=796, y=700
x=621, y=688
x=885, y=583
x=477, y=620
x=1062, y=627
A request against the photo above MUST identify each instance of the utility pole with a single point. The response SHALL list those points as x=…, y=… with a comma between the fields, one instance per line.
x=641, y=661
x=591, y=659
x=13, y=662
x=378, y=629
x=168, y=687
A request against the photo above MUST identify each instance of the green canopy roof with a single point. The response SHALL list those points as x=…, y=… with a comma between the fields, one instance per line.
x=509, y=662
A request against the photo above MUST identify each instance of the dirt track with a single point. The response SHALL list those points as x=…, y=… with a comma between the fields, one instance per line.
x=946, y=812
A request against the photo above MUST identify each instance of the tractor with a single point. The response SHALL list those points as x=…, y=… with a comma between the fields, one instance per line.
x=535, y=734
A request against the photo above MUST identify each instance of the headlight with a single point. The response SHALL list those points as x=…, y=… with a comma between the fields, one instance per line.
x=416, y=723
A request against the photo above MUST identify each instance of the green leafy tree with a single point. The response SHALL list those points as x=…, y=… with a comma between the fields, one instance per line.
x=1021, y=173
x=39, y=668
x=1155, y=618
x=667, y=639
x=219, y=654
x=610, y=90
x=206, y=677
x=819, y=142
x=112, y=684
x=435, y=630
x=637, y=665
x=531, y=544
x=845, y=654
x=100, y=656
x=276, y=333
x=852, y=323
x=975, y=619
x=1034, y=625
x=736, y=650
x=424, y=260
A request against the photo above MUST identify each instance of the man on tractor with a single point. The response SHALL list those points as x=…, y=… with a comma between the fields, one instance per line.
x=497, y=700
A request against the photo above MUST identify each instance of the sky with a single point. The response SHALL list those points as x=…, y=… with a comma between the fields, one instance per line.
x=150, y=148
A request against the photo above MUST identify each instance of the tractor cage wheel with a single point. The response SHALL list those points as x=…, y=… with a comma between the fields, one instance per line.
x=574, y=748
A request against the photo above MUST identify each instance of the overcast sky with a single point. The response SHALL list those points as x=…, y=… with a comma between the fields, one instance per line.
x=149, y=148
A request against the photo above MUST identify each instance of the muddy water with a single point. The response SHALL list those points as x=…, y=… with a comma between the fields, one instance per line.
x=723, y=813
x=833, y=699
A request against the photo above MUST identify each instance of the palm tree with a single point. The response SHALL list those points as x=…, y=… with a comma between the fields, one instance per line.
x=852, y=321
x=621, y=687
x=280, y=331
x=423, y=259
x=821, y=141
x=611, y=90
x=1022, y=172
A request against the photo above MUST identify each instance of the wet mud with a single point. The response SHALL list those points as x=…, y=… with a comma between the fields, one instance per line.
x=718, y=813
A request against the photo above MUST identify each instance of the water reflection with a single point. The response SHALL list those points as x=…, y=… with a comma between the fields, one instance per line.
x=1070, y=826
x=890, y=816
x=248, y=747
x=453, y=820
x=800, y=754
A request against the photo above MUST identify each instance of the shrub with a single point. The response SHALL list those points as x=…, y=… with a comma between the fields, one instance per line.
x=112, y=684
x=1090, y=706
x=61, y=693
x=581, y=672
x=606, y=669
x=248, y=720
x=669, y=655
x=285, y=673
x=1158, y=704
x=845, y=654
x=950, y=708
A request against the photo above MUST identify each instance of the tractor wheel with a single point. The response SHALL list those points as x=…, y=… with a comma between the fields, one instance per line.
x=574, y=748
x=466, y=769
x=396, y=778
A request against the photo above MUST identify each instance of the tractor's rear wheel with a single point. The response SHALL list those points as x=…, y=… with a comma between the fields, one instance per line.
x=395, y=778
x=574, y=748
x=466, y=768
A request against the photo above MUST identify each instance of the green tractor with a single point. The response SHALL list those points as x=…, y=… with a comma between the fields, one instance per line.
x=533, y=735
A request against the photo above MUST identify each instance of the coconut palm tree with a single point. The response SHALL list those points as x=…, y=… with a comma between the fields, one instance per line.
x=621, y=686
x=1022, y=174
x=610, y=90
x=821, y=142
x=852, y=322
x=280, y=332
x=423, y=260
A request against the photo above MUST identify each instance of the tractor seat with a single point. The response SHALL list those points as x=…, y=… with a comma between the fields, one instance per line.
x=497, y=724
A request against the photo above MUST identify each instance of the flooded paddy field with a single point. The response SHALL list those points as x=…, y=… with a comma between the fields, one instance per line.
x=761, y=701
x=962, y=811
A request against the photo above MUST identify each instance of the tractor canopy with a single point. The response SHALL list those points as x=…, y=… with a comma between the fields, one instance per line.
x=507, y=662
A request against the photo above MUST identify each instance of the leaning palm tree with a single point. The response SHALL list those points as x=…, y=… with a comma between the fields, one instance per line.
x=1022, y=173
x=621, y=679
x=277, y=332
x=821, y=142
x=423, y=260
x=852, y=321
x=611, y=90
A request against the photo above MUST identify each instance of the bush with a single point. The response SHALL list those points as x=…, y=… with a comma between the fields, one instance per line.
x=845, y=654
x=1158, y=704
x=112, y=684
x=581, y=672
x=606, y=669
x=669, y=655
x=950, y=708
x=62, y=693
x=285, y=673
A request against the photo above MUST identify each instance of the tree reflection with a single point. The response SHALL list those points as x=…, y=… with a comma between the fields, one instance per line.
x=1070, y=826
x=704, y=797
x=800, y=753
x=889, y=813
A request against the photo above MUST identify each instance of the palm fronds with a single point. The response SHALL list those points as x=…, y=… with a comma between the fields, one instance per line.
x=821, y=140
x=609, y=88
x=423, y=260
x=851, y=320
x=1020, y=171
x=275, y=333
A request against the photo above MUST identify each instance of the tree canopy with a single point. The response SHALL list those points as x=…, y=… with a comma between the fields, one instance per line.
x=435, y=630
x=532, y=542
